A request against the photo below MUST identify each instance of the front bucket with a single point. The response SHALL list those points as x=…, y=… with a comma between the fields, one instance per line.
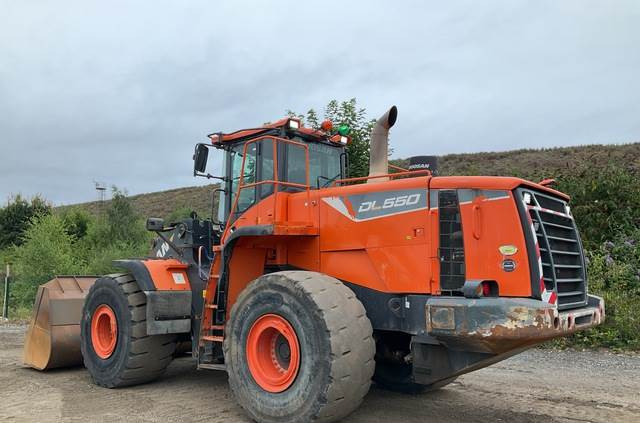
x=53, y=338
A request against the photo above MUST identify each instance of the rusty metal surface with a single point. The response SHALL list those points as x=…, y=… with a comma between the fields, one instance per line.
x=500, y=325
x=53, y=337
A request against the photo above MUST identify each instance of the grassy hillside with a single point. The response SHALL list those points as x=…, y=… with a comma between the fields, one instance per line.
x=536, y=165
x=527, y=163
x=161, y=203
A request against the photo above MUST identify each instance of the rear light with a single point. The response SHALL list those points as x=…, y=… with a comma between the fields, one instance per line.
x=480, y=289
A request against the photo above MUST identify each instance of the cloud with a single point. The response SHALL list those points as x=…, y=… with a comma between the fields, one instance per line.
x=121, y=91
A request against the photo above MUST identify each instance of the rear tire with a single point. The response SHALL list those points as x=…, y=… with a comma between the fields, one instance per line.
x=334, y=345
x=137, y=357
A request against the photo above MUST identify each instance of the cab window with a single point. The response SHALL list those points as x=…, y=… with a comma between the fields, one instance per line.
x=259, y=166
x=247, y=195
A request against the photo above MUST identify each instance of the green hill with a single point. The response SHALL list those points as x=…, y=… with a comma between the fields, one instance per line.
x=161, y=203
x=527, y=163
x=538, y=164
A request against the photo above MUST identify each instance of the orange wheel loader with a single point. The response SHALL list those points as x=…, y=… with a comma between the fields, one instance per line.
x=308, y=285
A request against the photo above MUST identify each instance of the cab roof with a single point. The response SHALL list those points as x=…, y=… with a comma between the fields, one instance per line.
x=284, y=126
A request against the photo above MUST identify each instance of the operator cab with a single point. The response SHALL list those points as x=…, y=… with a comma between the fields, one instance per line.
x=283, y=156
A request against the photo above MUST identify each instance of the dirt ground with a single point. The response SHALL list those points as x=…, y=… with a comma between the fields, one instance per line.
x=536, y=386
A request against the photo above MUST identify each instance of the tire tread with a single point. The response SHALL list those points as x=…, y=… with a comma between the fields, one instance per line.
x=149, y=355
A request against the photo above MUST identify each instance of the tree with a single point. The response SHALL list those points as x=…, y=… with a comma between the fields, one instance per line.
x=120, y=234
x=605, y=203
x=346, y=113
x=76, y=222
x=16, y=217
x=121, y=223
x=47, y=251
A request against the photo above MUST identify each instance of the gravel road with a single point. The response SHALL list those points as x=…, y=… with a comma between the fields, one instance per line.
x=536, y=386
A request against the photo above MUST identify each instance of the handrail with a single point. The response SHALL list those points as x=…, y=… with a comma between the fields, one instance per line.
x=277, y=183
x=401, y=169
x=388, y=175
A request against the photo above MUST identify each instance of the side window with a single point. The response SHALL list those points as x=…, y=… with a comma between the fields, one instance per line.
x=296, y=166
x=247, y=195
x=267, y=167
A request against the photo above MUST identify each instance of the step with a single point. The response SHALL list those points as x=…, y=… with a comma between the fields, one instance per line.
x=213, y=338
x=207, y=366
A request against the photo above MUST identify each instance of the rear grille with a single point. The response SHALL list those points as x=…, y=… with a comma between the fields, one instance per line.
x=452, y=263
x=563, y=267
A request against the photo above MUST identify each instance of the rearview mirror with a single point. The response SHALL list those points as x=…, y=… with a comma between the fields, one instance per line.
x=200, y=159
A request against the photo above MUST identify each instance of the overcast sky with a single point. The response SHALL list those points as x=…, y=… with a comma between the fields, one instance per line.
x=119, y=92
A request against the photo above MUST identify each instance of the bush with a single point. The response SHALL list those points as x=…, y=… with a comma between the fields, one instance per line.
x=47, y=251
x=605, y=203
x=74, y=242
x=100, y=262
x=76, y=222
x=16, y=217
x=614, y=274
x=122, y=224
x=178, y=214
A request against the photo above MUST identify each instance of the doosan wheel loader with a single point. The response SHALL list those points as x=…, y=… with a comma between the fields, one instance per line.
x=308, y=284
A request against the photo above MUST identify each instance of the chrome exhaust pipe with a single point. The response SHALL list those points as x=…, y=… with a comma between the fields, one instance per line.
x=379, y=148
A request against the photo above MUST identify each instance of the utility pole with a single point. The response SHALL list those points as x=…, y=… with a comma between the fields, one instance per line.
x=5, y=307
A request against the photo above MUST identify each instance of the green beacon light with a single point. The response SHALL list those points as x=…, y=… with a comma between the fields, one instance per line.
x=344, y=130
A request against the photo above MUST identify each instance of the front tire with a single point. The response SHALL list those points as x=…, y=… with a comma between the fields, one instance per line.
x=115, y=346
x=298, y=348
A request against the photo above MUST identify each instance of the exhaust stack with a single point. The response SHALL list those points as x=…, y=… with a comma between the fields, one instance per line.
x=379, y=156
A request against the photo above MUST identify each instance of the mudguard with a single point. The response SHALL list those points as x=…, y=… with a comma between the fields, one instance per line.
x=166, y=285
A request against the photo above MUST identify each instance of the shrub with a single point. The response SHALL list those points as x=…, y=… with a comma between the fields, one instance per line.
x=16, y=217
x=74, y=243
x=100, y=262
x=604, y=203
x=47, y=251
x=178, y=214
x=121, y=225
x=76, y=222
x=614, y=274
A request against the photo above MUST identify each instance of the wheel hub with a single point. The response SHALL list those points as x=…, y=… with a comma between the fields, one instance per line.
x=273, y=353
x=104, y=331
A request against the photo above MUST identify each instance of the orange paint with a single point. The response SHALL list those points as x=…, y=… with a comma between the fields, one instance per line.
x=104, y=331
x=322, y=230
x=273, y=353
x=168, y=275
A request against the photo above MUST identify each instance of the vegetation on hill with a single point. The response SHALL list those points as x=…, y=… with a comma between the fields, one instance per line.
x=72, y=241
x=159, y=204
x=538, y=164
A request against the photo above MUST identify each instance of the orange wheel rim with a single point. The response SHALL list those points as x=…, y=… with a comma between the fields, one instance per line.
x=104, y=331
x=273, y=353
